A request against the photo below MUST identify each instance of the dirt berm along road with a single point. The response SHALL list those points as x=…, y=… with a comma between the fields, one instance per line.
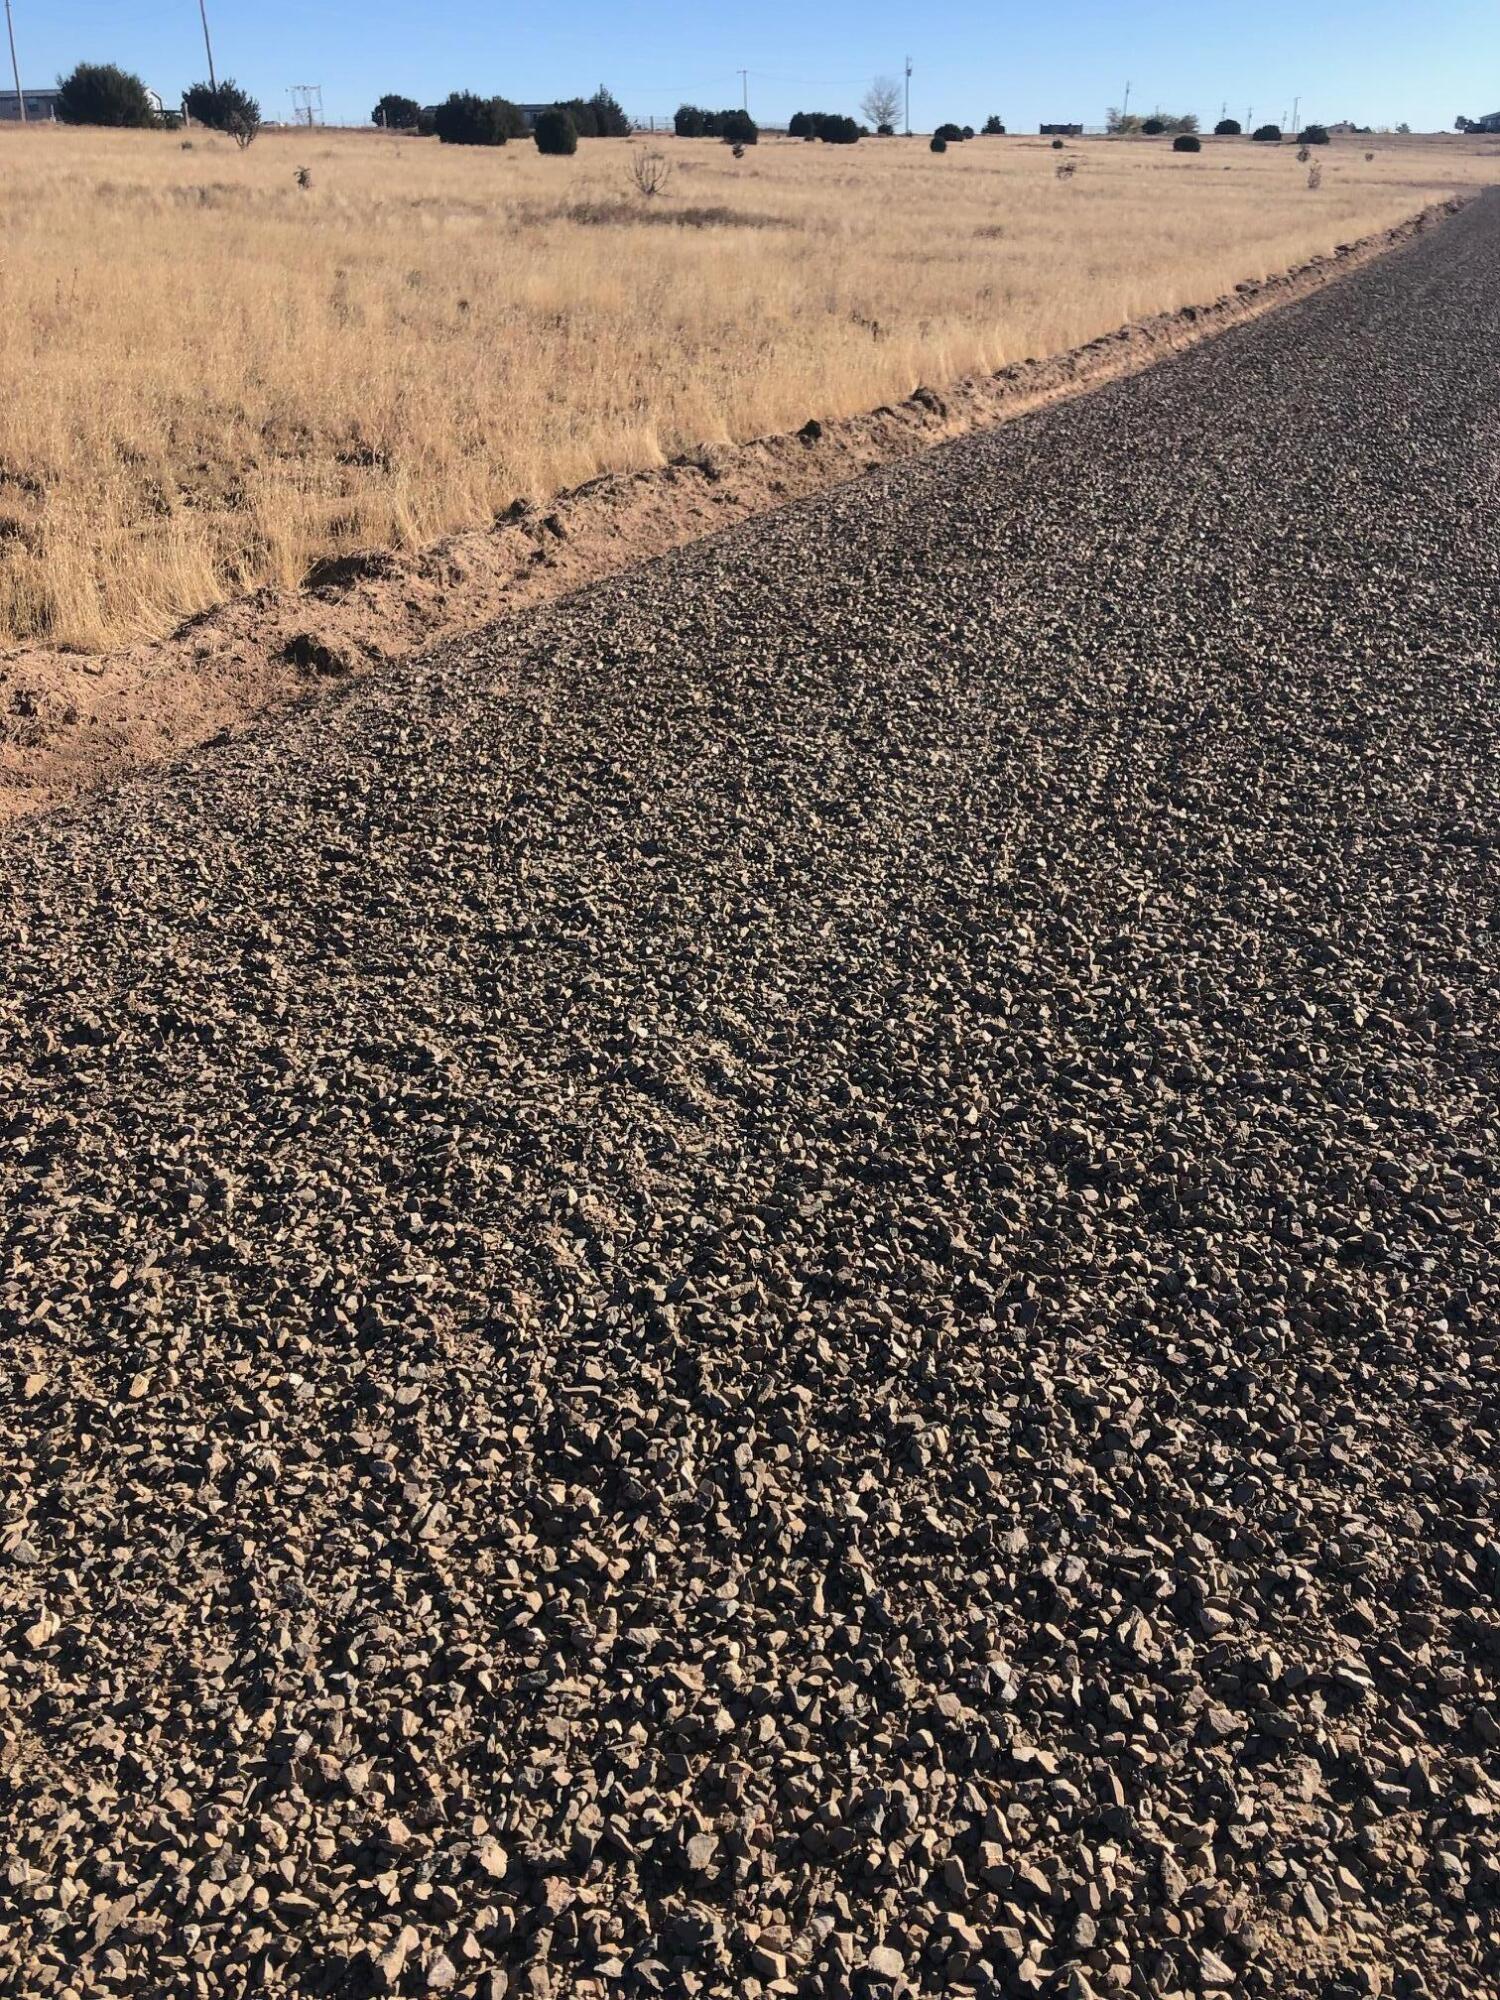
x=787, y=1282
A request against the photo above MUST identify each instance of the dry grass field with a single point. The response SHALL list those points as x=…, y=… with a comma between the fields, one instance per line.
x=211, y=374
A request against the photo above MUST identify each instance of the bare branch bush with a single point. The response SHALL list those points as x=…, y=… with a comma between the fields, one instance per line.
x=650, y=171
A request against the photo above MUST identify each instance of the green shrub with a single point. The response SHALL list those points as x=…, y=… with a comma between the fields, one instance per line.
x=690, y=121
x=1314, y=135
x=885, y=131
x=601, y=116
x=396, y=113
x=830, y=126
x=1187, y=142
x=555, y=132
x=1228, y=128
x=939, y=143
x=463, y=119
x=952, y=133
x=101, y=94
x=610, y=121
x=1153, y=127
x=993, y=129
x=1269, y=135
x=224, y=107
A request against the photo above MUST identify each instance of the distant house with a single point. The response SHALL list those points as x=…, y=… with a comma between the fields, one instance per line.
x=41, y=106
x=1060, y=131
x=1490, y=122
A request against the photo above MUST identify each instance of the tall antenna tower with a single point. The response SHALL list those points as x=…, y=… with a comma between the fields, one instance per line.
x=307, y=104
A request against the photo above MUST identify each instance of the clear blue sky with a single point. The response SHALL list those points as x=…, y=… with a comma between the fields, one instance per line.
x=1377, y=62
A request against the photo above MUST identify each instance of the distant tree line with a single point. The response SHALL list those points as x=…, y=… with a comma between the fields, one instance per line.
x=466, y=119
x=829, y=126
x=1127, y=124
x=735, y=128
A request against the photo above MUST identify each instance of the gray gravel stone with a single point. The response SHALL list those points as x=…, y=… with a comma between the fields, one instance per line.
x=787, y=1282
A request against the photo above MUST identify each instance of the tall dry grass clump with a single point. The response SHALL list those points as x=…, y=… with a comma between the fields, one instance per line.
x=214, y=368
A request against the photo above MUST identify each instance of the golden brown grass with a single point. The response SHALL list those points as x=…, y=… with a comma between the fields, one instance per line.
x=210, y=375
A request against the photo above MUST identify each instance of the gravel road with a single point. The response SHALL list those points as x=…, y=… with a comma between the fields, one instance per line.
x=786, y=1283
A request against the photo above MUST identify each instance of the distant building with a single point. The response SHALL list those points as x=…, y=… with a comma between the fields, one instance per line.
x=40, y=106
x=1060, y=131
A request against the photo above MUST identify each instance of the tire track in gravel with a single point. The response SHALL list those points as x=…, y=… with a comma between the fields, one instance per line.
x=786, y=1283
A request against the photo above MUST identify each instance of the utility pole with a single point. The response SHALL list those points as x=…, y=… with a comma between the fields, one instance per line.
x=213, y=81
x=908, y=97
x=15, y=67
x=745, y=90
x=1296, y=101
x=1125, y=107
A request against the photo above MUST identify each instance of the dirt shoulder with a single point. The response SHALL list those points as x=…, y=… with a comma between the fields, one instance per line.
x=70, y=722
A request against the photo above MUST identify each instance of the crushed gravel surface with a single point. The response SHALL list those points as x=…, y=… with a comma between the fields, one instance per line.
x=787, y=1283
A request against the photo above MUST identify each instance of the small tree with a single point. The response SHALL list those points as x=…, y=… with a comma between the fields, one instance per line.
x=881, y=101
x=939, y=143
x=885, y=131
x=102, y=94
x=992, y=127
x=1269, y=135
x=1187, y=142
x=1313, y=135
x=396, y=113
x=952, y=133
x=738, y=128
x=610, y=121
x=223, y=107
x=463, y=119
x=555, y=132
x=1228, y=128
x=1153, y=127
x=688, y=122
